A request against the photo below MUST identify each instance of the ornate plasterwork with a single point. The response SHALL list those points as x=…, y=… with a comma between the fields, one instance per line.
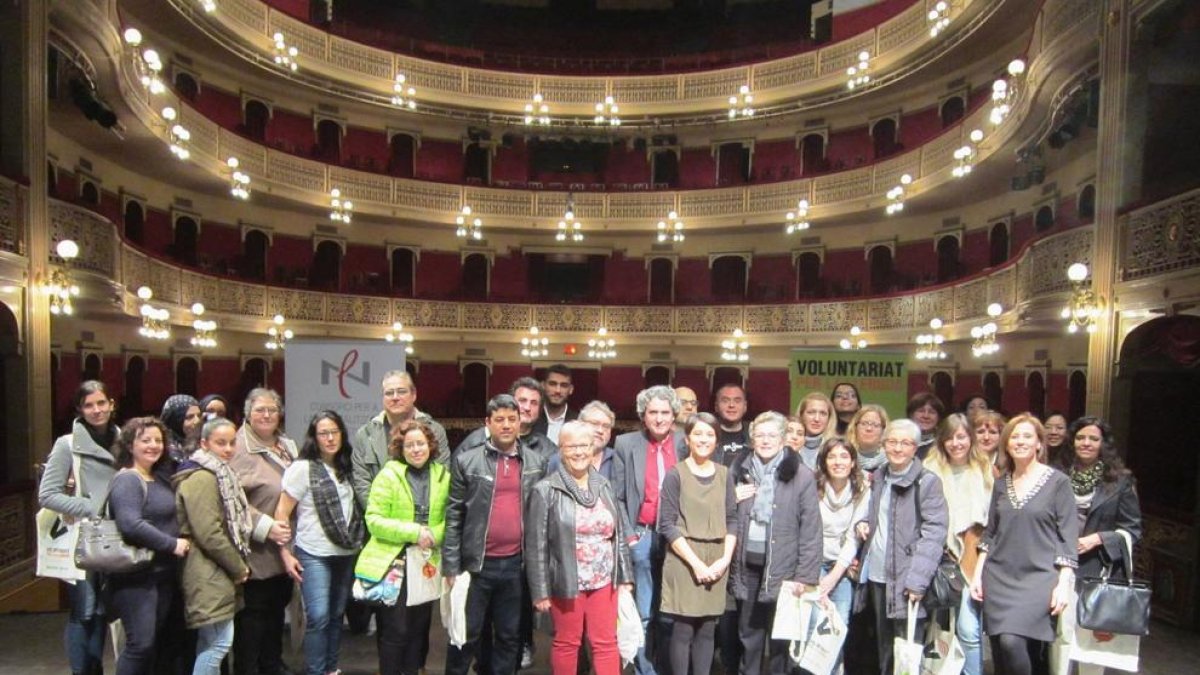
x=1162, y=237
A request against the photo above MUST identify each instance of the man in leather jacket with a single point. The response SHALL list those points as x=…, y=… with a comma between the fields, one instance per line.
x=490, y=486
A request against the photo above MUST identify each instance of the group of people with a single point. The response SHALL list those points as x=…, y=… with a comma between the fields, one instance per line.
x=699, y=520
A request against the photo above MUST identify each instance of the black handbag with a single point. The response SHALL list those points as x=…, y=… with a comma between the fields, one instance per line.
x=946, y=586
x=1115, y=606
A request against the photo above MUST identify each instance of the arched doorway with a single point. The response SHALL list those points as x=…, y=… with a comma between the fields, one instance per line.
x=404, y=270
x=132, y=404
x=993, y=391
x=186, y=86
x=662, y=281
x=326, y=272
x=665, y=170
x=952, y=111
x=187, y=376
x=808, y=275
x=1087, y=203
x=998, y=244
x=254, y=374
x=476, y=164
x=948, y=266
x=91, y=368
x=1044, y=219
x=1036, y=387
x=257, y=116
x=943, y=385
x=1076, y=394
x=724, y=375
x=656, y=376
x=812, y=155
x=135, y=222
x=475, y=269
x=402, y=155
x=883, y=137
x=879, y=265
x=728, y=281
x=254, y=255
x=474, y=390
x=88, y=194
x=187, y=236
x=13, y=454
x=329, y=142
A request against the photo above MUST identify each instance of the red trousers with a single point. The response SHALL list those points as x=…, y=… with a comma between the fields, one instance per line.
x=597, y=611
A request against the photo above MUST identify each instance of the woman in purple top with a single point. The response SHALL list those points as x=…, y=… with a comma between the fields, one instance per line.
x=142, y=502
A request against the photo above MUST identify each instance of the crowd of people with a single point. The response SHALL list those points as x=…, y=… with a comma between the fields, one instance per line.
x=700, y=520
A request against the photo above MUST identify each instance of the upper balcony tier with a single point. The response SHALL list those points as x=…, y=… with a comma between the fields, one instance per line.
x=244, y=30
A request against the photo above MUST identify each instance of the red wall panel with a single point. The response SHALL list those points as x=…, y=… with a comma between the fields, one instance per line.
x=975, y=251
x=772, y=278
x=220, y=106
x=625, y=280
x=219, y=244
x=157, y=233
x=439, y=274
x=770, y=158
x=693, y=281
x=618, y=386
x=365, y=269
x=511, y=163
x=289, y=258
x=1016, y=395
x=440, y=160
x=768, y=389
x=294, y=130
x=915, y=262
x=920, y=127
x=843, y=269
x=627, y=166
x=697, y=169
x=864, y=19
x=509, y=278
x=368, y=146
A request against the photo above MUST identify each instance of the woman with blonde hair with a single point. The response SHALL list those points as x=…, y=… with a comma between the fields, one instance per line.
x=987, y=426
x=967, y=479
x=865, y=435
x=816, y=414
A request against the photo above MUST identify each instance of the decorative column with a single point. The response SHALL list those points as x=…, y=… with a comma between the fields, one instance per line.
x=1115, y=36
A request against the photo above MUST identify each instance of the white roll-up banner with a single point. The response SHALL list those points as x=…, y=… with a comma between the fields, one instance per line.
x=340, y=375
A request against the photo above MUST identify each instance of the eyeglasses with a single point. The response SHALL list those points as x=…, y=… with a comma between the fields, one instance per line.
x=329, y=433
x=602, y=425
x=578, y=448
x=898, y=443
x=269, y=412
x=396, y=393
x=869, y=424
x=687, y=401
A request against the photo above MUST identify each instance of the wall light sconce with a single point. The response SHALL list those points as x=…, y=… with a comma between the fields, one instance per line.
x=537, y=112
x=155, y=320
x=964, y=156
x=403, y=96
x=397, y=334
x=57, y=283
x=278, y=335
x=939, y=18
x=741, y=104
x=985, y=336
x=857, y=76
x=285, y=56
x=341, y=210
x=568, y=227
x=206, y=330
x=1004, y=92
x=602, y=347
x=670, y=229
x=855, y=341
x=1084, y=307
x=896, y=195
x=737, y=349
x=797, y=221
x=239, y=181
x=535, y=346
x=606, y=112
x=468, y=227
x=929, y=345
x=178, y=136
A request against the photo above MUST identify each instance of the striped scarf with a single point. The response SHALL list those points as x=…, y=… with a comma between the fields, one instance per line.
x=329, y=509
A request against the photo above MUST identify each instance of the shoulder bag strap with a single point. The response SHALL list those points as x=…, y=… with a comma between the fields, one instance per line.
x=77, y=473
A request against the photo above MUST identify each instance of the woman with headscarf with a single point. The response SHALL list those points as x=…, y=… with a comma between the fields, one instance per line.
x=215, y=516
x=214, y=406
x=182, y=416
x=329, y=533
x=263, y=454
x=866, y=437
x=75, y=485
x=778, y=540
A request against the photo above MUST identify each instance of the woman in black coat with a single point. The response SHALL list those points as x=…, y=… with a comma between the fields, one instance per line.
x=1106, y=496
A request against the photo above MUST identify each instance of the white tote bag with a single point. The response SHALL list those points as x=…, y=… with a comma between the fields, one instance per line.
x=56, y=540
x=943, y=654
x=821, y=652
x=1106, y=650
x=630, y=637
x=423, y=574
x=792, y=614
x=906, y=651
x=454, y=609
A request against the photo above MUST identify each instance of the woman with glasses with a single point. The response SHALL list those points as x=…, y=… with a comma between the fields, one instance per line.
x=75, y=484
x=846, y=403
x=967, y=478
x=905, y=530
x=576, y=556
x=329, y=532
x=263, y=453
x=866, y=438
x=778, y=540
x=600, y=418
x=696, y=516
x=816, y=414
x=406, y=507
x=1025, y=573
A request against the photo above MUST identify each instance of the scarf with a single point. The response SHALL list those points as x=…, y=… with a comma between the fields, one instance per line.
x=329, y=509
x=585, y=498
x=834, y=501
x=810, y=450
x=870, y=462
x=105, y=439
x=763, y=476
x=1084, y=481
x=233, y=500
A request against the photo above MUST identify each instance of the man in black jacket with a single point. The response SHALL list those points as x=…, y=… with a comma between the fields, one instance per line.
x=490, y=486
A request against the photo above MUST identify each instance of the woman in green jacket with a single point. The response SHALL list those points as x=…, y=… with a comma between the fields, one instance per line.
x=214, y=515
x=406, y=507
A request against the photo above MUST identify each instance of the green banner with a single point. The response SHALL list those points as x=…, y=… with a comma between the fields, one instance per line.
x=881, y=376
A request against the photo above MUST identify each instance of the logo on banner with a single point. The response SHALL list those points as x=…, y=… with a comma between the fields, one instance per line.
x=344, y=371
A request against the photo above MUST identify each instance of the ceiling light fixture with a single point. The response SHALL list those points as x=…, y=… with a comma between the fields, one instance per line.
x=155, y=321
x=397, y=334
x=1084, y=307
x=964, y=156
x=939, y=18
x=568, y=227
x=57, y=283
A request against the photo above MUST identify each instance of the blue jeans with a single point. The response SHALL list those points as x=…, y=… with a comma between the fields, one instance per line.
x=326, y=588
x=86, y=627
x=212, y=644
x=969, y=629
x=642, y=554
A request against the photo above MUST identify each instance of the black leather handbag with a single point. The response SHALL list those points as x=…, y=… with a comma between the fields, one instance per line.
x=946, y=587
x=1115, y=606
